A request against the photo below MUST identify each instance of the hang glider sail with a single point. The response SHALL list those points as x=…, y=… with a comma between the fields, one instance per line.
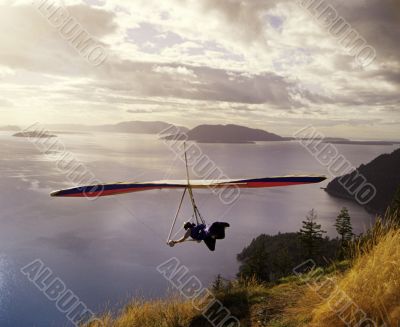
x=122, y=188
x=187, y=185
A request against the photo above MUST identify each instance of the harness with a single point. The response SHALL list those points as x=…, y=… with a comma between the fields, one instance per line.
x=198, y=232
x=196, y=213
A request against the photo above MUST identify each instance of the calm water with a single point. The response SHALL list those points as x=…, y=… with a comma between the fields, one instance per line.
x=106, y=250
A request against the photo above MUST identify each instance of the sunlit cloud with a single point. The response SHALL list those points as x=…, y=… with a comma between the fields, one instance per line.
x=257, y=63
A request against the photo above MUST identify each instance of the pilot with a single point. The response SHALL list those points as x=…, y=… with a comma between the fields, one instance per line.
x=201, y=232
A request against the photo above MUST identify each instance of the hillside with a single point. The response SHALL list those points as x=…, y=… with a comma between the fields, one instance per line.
x=383, y=172
x=365, y=290
x=228, y=134
x=133, y=127
x=271, y=257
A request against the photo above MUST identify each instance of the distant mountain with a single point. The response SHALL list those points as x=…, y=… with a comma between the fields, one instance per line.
x=134, y=127
x=383, y=173
x=228, y=134
x=335, y=139
x=350, y=142
x=139, y=127
x=34, y=135
x=340, y=140
x=9, y=128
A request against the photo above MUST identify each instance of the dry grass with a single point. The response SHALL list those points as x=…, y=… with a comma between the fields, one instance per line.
x=369, y=289
x=173, y=312
x=371, y=285
x=366, y=243
x=177, y=312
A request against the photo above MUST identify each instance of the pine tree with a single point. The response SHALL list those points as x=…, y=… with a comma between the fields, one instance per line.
x=345, y=230
x=218, y=284
x=311, y=234
x=343, y=226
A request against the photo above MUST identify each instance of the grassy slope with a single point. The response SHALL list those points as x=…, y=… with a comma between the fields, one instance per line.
x=252, y=303
x=371, y=284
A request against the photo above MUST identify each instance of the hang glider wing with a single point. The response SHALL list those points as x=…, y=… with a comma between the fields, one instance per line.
x=122, y=188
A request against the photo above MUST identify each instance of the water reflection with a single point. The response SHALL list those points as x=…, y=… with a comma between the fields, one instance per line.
x=107, y=249
x=6, y=278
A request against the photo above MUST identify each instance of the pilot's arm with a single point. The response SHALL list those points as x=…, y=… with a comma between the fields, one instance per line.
x=181, y=240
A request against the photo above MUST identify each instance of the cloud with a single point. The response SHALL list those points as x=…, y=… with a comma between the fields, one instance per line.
x=6, y=103
x=177, y=57
x=378, y=21
x=244, y=16
x=179, y=71
x=32, y=43
x=140, y=111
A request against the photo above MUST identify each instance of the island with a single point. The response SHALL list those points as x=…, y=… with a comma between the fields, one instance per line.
x=226, y=134
x=383, y=173
x=344, y=141
x=350, y=142
x=34, y=134
x=129, y=127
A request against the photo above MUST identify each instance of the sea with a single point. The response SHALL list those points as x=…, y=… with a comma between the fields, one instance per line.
x=106, y=251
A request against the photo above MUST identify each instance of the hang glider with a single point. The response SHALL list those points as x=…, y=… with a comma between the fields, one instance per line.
x=123, y=188
x=187, y=185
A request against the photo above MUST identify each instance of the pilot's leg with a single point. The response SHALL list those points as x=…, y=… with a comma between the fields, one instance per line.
x=217, y=230
x=210, y=242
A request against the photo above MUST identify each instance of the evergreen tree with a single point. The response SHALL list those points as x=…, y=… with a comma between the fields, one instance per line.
x=270, y=257
x=256, y=264
x=311, y=234
x=343, y=226
x=218, y=284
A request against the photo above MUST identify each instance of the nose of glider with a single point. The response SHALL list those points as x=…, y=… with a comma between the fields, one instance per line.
x=55, y=194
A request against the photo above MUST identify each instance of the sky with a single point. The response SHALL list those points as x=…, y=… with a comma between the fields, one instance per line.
x=267, y=64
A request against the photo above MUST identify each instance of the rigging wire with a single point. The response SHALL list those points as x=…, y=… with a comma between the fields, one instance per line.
x=176, y=216
x=196, y=212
